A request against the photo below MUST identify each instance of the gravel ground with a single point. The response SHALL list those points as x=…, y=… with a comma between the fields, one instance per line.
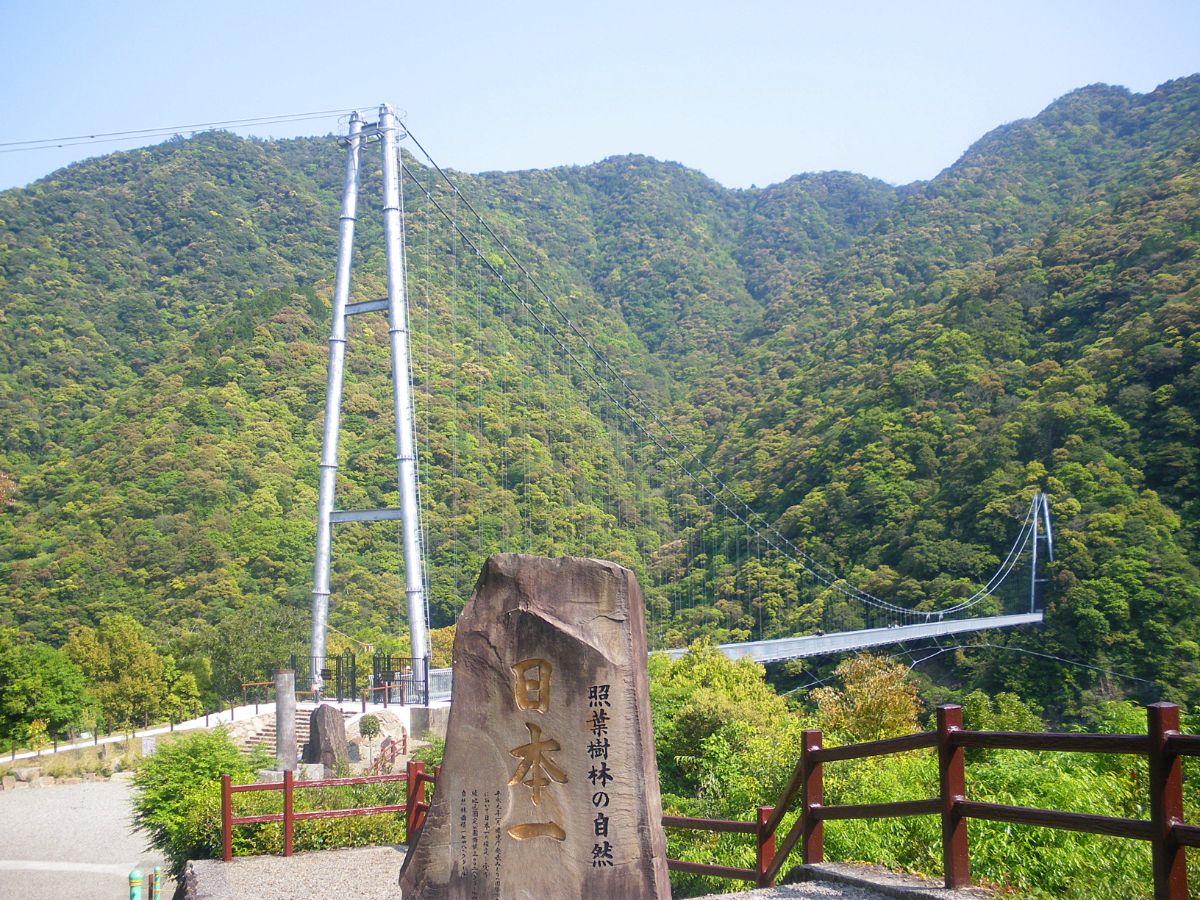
x=370, y=873
x=808, y=890
x=70, y=841
x=365, y=873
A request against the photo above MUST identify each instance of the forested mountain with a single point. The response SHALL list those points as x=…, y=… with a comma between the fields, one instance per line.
x=887, y=374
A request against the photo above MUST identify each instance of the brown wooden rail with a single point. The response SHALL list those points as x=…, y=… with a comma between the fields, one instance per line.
x=414, y=806
x=1162, y=745
x=764, y=844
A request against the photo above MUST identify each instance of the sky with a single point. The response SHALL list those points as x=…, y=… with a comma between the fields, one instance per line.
x=746, y=92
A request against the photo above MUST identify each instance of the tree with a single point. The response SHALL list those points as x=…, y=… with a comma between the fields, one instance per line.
x=37, y=682
x=130, y=680
x=877, y=699
x=368, y=727
x=252, y=643
x=698, y=696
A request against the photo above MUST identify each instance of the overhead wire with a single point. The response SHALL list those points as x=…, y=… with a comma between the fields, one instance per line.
x=109, y=137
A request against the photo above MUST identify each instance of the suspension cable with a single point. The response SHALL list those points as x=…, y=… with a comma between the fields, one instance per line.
x=821, y=573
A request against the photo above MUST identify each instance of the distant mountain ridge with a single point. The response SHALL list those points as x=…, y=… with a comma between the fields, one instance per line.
x=885, y=372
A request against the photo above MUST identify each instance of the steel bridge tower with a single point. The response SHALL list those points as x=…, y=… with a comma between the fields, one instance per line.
x=387, y=132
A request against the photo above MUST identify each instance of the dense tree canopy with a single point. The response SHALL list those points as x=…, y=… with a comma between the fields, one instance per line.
x=885, y=374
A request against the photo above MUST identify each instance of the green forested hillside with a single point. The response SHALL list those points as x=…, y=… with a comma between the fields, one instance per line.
x=885, y=373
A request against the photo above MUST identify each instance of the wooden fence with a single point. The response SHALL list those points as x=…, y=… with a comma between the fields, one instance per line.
x=414, y=807
x=1162, y=745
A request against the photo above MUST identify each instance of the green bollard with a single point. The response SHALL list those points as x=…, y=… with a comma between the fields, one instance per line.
x=156, y=885
x=135, y=885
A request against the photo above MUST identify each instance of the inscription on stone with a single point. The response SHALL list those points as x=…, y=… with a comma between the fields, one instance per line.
x=548, y=787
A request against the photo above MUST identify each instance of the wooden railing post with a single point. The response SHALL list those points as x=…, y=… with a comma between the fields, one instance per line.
x=952, y=776
x=226, y=818
x=288, y=813
x=1166, y=804
x=414, y=794
x=812, y=795
x=765, y=846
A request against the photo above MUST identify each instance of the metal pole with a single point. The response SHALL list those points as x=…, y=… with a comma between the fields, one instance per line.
x=333, y=405
x=1033, y=562
x=406, y=454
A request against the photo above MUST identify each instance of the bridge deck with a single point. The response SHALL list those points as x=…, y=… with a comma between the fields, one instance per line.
x=815, y=644
x=820, y=644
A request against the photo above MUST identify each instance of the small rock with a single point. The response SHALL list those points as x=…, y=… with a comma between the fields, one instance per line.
x=43, y=781
x=70, y=780
x=313, y=772
x=8, y=783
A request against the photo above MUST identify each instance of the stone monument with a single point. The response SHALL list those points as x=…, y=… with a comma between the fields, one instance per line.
x=327, y=739
x=549, y=786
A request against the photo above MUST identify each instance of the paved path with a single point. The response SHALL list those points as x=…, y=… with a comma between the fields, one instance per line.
x=224, y=717
x=70, y=841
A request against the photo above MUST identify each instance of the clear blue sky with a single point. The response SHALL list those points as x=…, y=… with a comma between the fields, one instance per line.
x=747, y=92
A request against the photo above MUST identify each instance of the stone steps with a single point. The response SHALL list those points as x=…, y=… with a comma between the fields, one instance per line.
x=265, y=736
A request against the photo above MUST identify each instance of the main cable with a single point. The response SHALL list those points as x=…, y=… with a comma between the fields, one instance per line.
x=822, y=573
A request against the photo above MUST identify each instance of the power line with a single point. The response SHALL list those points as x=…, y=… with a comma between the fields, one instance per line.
x=161, y=131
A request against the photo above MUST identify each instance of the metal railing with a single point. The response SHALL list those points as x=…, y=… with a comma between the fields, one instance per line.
x=405, y=679
x=414, y=807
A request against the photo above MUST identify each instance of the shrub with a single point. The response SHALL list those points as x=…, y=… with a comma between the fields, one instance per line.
x=177, y=793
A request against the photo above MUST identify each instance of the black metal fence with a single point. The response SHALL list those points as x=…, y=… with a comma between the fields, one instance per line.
x=339, y=677
x=404, y=679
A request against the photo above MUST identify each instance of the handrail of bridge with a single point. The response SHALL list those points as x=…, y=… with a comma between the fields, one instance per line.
x=414, y=807
x=1162, y=745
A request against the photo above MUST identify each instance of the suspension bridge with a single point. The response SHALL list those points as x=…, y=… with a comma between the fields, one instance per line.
x=717, y=539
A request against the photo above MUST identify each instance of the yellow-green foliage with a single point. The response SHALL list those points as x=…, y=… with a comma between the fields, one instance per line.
x=751, y=745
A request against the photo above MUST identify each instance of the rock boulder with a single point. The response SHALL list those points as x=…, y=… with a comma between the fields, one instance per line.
x=327, y=738
x=549, y=786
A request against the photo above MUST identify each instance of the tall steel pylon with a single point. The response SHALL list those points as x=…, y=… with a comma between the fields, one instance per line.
x=387, y=132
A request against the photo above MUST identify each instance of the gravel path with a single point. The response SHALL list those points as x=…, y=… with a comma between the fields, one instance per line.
x=370, y=873
x=808, y=890
x=364, y=873
x=70, y=841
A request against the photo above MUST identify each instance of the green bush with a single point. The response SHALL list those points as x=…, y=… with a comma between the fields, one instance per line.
x=178, y=802
x=177, y=793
